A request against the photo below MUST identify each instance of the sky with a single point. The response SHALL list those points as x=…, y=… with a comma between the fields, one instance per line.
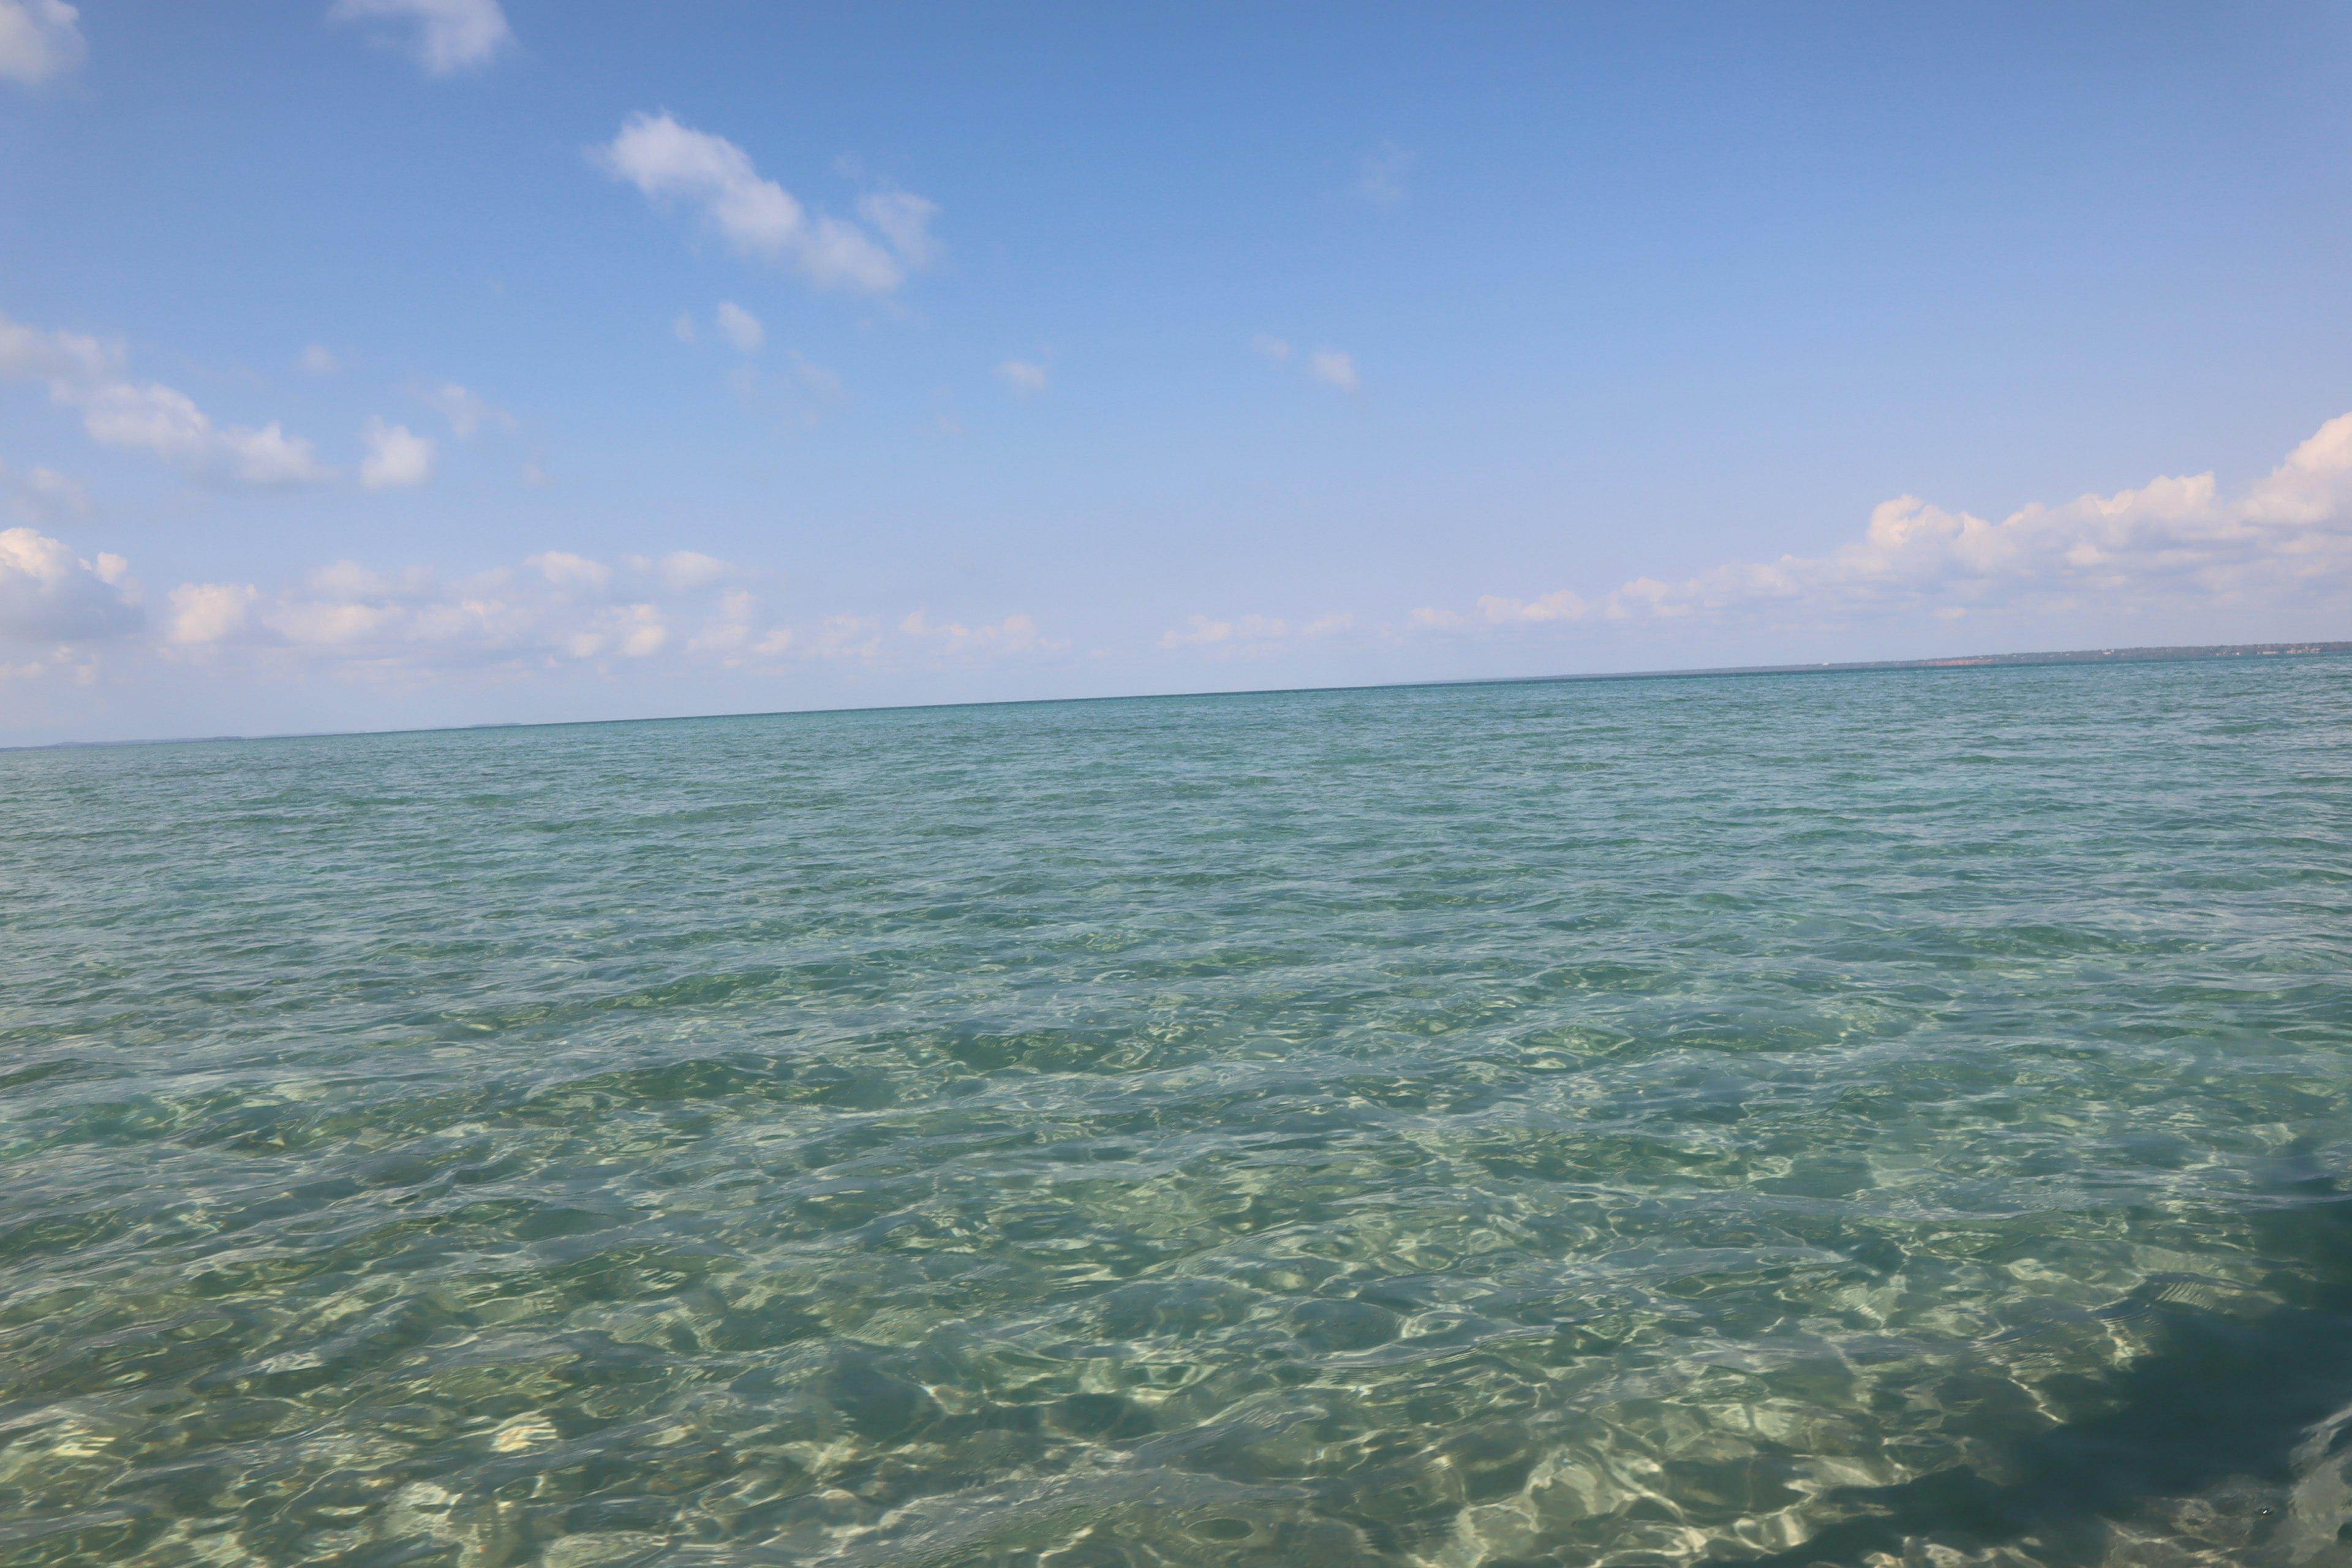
x=392, y=364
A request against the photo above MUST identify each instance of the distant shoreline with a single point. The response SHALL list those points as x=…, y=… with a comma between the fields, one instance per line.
x=1965, y=662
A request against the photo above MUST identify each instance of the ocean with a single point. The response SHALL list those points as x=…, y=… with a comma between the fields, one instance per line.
x=1885, y=1117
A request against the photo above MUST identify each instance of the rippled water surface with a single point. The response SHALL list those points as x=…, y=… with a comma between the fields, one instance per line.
x=1842, y=1118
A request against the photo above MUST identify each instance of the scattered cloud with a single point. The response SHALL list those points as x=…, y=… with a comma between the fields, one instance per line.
x=320, y=360
x=1332, y=367
x=207, y=613
x=2173, y=544
x=45, y=495
x=1014, y=634
x=740, y=328
x=1272, y=347
x=554, y=610
x=396, y=457
x=684, y=329
x=1250, y=637
x=819, y=381
x=905, y=220
x=468, y=413
x=1380, y=178
x=40, y=40
x=84, y=373
x=445, y=35
x=48, y=593
x=1023, y=375
x=1558, y=606
x=756, y=216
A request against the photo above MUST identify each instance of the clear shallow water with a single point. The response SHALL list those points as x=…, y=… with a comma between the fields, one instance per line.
x=1653, y=1122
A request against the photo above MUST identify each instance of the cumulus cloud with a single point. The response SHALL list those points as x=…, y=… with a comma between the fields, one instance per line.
x=396, y=455
x=206, y=613
x=740, y=328
x=1332, y=367
x=2175, y=544
x=117, y=411
x=39, y=39
x=1023, y=375
x=320, y=360
x=555, y=611
x=468, y=412
x=48, y=593
x=1272, y=347
x=756, y=216
x=445, y=35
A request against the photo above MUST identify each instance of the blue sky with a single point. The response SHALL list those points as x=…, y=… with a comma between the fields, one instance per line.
x=387, y=362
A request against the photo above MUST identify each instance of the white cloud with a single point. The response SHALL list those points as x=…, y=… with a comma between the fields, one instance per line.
x=207, y=613
x=39, y=39
x=468, y=412
x=740, y=328
x=905, y=220
x=823, y=383
x=320, y=360
x=681, y=571
x=45, y=495
x=2174, y=544
x=1014, y=634
x=569, y=571
x=684, y=328
x=1380, y=179
x=450, y=35
x=49, y=593
x=1558, y=606
x=555, y=611
x=116, y=411
x=1023, y=375
x=1250, y=637
x=396, y=457
x=757, y=217
x=1331, y=365
x=1272, y=347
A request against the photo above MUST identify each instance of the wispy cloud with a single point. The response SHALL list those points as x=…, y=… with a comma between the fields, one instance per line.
x=1335, y=369
x=117, y=411
x=1025, y=375
x=468, y=413
x=40, y=40
x=444, y=36
x=756, y=216
x=740, y=328
x=45, y=496
x=1380, y=178
x=1250, y=637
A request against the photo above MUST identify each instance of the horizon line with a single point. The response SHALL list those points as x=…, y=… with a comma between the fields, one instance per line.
x=2182, y=653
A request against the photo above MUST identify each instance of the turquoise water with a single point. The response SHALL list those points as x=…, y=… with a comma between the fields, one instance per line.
x=1876, y=1116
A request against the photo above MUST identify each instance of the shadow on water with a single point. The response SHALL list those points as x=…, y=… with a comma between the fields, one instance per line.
x=2223, y=1399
